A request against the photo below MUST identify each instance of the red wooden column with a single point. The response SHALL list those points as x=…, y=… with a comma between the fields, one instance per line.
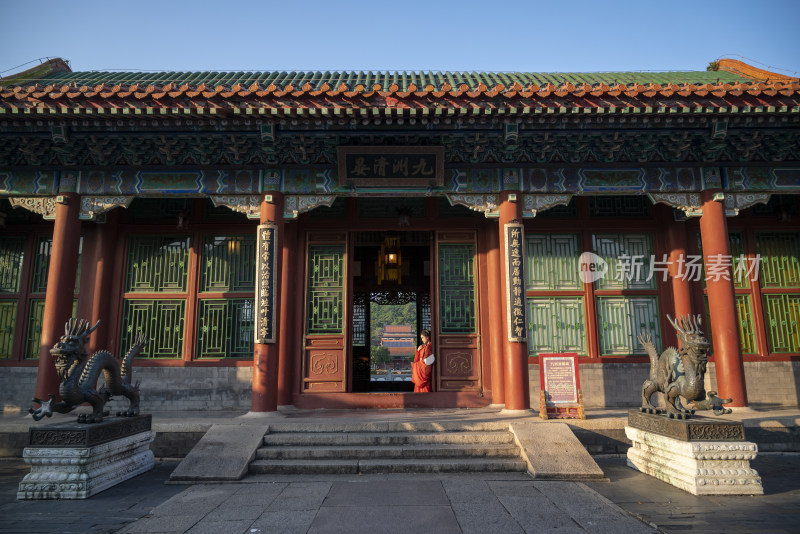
x=266, y=355
x=104, y=253
x=286, y=346
x=495, y=318
x=681, y=290
x=516, y=353
x=60, y=288
x=721, y=303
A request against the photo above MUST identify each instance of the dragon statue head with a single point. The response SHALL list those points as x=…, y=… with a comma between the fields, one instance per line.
x=70, y=351
x=691, y=336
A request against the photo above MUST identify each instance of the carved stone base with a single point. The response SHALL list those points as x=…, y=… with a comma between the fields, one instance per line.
x=699, y=467
x=77, y=471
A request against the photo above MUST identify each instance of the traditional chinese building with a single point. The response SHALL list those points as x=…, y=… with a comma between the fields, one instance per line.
x=399, y=340
x=244, y=220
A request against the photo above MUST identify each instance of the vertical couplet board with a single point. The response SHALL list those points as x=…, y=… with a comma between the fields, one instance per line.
x=458, y=358
x=515, y=282
x=324, y=365
x=560, y=383
x=267, y=244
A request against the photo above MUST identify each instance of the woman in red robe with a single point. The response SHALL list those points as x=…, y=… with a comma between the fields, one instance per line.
x=421, y=371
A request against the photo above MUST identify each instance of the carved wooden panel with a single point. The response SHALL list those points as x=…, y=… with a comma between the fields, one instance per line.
x=456, y=345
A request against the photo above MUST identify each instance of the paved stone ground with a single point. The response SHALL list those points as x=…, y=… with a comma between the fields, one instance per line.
x=119, y=505
x=479, y=503
x=674, y=510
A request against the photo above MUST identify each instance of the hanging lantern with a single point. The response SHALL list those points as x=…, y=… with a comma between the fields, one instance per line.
x=390, y=261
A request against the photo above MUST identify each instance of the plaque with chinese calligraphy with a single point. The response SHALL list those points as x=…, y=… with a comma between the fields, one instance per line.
x=267, y=246
x=391, y=166
x=515, y=283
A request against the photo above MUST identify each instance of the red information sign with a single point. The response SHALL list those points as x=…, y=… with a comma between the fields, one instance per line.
x=561, y=387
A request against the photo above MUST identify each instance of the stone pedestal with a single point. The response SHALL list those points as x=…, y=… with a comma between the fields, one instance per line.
x=700, y=455
x=76, y=461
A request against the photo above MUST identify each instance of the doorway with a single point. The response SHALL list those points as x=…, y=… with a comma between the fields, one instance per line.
x=389, y=308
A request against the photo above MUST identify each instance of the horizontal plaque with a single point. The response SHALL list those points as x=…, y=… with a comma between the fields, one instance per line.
x=88, y=435
x=391, y=166
x=695, y=429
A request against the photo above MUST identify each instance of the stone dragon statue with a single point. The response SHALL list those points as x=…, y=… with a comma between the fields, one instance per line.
x=681, y=373
x=79, y=373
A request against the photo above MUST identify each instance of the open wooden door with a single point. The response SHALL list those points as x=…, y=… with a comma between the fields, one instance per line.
x=324, y=354
x=457, y=343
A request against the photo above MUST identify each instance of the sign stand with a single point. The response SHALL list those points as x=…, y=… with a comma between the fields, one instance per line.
x=561, y=396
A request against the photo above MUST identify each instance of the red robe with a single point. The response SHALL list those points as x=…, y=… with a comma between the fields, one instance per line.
x=421, y=373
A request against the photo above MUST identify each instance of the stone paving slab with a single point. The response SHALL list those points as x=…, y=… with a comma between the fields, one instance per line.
x=223, y=453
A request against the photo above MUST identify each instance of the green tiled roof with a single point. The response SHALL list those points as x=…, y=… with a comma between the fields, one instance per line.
x=385, y=79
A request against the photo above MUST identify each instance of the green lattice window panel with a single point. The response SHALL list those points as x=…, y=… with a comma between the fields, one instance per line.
x=628, y=258
x=325, y=289
x=782, y=316
x=225, y=328
x=8, y=320
x=228, y=263
x=162, y=321
x=41, y=265
x=744, y=316
x=33, y=330
x=619, y=206
x=740, y=266
x=457, y=288
x=12, y=254
x=780, y=259
x=556, y=324
x=157, y=264
x=621, y=319
x=552, y=261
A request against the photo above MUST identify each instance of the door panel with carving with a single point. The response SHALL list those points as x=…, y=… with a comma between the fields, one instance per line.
x=324, y=368
x=457, y=344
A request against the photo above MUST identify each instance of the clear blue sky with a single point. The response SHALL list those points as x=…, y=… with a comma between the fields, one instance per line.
x=497, y=35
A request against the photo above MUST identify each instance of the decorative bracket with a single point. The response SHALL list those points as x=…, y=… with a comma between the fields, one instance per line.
x=93, y=207
x=533, y=204
x=296, y=204
x=690, y=203
x=250, y=205
x=734, y=202
x=486, y=204
x=44, y=206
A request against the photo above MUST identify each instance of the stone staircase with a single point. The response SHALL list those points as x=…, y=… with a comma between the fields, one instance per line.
x=387, y=448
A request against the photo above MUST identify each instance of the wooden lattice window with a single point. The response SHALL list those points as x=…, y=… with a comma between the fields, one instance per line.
x=325, y=289
x=621, y=316
x=737, y=273
x=555, y=322
x=23, y=300
x=156, y=280
x=457, y=288
x=779, y=279
x=225, y=314
x=12, y=256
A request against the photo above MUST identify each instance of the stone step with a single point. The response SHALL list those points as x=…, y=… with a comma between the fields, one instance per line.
x=386, y=426
x=384, y=438
x=436, y=465
x=434, y=450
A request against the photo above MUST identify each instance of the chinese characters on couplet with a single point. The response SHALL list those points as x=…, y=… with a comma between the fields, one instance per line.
x=265, y=284
x=690, y=268
x=515, y=281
